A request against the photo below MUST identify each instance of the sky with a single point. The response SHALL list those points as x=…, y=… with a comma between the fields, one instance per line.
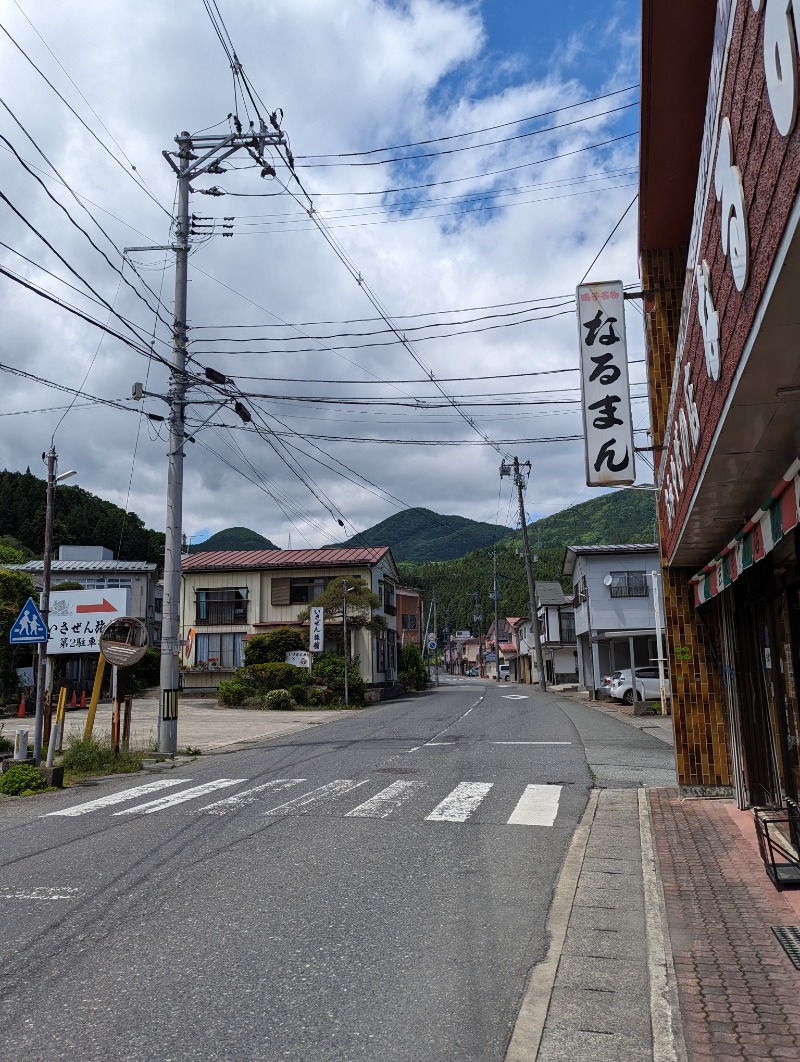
x=396, y=322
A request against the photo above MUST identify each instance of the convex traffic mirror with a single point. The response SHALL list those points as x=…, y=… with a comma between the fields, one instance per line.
x=124, y=641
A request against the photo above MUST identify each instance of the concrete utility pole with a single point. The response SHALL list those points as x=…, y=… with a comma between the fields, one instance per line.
x=519, y=482
x=345, y=591
x=436, y=636
x=496, y=596
x=195, y=156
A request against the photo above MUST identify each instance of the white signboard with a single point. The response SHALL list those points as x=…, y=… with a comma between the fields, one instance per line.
x=607, y=427
x=25, y=676
x=317, y=637
x=298, y=658
x=78, y=616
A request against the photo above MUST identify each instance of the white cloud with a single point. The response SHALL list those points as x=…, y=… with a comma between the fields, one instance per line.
x=348, y=76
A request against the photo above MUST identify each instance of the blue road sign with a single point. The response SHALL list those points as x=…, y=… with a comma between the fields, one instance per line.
x=431, y=643
x=29, y=627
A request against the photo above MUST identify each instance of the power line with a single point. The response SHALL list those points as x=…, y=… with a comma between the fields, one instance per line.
x=475, y=132
x=608, y=238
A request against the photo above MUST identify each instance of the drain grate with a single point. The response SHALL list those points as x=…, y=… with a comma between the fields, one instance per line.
x=789, y=940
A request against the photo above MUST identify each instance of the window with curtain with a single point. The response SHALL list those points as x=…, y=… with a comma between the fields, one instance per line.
x=220, y=650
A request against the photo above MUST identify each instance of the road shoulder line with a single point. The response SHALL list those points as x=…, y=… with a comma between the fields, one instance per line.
x=529, y=1027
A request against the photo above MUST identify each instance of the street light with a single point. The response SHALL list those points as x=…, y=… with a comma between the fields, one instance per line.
x=52, y=463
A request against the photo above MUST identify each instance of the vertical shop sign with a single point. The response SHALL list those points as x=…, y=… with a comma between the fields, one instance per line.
x=607, y=426
x=317, y=638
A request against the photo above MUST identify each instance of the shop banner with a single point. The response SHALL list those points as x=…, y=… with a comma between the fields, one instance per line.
x=606, y=397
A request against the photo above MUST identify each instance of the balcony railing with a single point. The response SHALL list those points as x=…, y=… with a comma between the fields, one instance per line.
x=390, y=610
x=221, y=614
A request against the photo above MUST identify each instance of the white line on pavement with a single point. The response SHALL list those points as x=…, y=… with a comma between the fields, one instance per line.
x=118, y=798
x=39, y=892
x=341, y=785
x=388, y=800
x=538, y=806
x=461, y=803
x=180, y=798
x=531, y=742
x=248, y=796
x=431, y=744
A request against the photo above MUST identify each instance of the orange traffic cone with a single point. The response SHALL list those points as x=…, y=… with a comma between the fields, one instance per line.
x=74, y=701
x=21, y=709
x=83, y=698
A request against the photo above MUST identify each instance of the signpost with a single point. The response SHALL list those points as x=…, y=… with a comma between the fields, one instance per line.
x=316, y=639
x=29, y=627
x=78, y=617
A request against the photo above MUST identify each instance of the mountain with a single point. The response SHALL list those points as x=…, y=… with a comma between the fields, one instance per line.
x=418, y=535
x=233, y=538
x=621, y=517
x=79, y=519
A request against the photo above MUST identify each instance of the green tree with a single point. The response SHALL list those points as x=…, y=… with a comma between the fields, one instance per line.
x=272, y=648
x=361, y=604
x=15, y=589
x=411, y=668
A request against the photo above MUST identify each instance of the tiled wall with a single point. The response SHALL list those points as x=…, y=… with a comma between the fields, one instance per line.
x=698, y=706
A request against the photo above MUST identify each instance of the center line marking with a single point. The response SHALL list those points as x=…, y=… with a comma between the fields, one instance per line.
x=430, y=743
x=531, y=742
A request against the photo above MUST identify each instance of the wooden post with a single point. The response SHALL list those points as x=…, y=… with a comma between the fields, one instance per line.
x=98, y=682
x=126, y=725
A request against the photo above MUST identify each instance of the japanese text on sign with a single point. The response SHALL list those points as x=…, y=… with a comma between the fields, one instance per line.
x=608, y=432
x=317, y=635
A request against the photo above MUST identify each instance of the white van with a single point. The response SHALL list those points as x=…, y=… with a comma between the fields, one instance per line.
x=505, y=672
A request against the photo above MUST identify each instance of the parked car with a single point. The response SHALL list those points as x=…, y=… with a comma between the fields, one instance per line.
x=606, y=680
x=505, y=672
x=473, y=672
x=648, y=686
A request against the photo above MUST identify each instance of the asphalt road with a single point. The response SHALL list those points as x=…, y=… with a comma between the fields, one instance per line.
x=372, y=890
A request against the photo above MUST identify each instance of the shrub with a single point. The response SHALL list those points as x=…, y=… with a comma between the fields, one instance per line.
x=20, y=779
x=318, y=697
x=278, y=701
x=329, y=669
x=299, y=694
x=261, y=678
x=272, y=648
x=233, y=691
x=96, y=756
x=411, y=668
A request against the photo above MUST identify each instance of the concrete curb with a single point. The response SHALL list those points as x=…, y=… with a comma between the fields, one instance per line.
x=669, y=1044
x=529, y=1027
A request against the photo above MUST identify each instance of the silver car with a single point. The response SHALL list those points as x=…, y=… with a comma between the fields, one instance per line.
x=648, y=686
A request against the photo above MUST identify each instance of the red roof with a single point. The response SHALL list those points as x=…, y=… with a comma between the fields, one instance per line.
x=507, y=647
x=244, y=559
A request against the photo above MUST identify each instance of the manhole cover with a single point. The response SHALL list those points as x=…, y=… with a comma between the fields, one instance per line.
x=789, y=939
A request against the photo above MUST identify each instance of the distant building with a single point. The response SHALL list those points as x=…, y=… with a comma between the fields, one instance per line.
x=556, y=616
x=615, y=623
x=410, y=625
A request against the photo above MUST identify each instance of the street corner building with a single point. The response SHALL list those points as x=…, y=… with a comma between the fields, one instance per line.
x=228, y=596
x=719, y=245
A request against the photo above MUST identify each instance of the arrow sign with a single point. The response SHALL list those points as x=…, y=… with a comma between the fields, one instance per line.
x=29, y=627
x=106, y=606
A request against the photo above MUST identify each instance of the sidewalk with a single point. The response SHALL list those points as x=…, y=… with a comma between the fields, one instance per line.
x=739, y=992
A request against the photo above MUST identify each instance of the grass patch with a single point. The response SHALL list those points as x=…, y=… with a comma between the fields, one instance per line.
x=21, y=780
x=94, y=756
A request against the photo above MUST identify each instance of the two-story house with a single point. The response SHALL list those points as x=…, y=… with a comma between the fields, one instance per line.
x=230, y=595
x=615, y=620
x=556, y=616
x=409, y=615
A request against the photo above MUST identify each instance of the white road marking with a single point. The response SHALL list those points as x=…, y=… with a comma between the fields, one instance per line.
x=538, y=806
x=431, y=744
x=515, y=697
x=248, y=796
x=388, y=800
x=341, y=785
x=180, y=798
x=39, y=892
x=461, y=803
x=415, y=749
x=531, y=742
x=119, y=798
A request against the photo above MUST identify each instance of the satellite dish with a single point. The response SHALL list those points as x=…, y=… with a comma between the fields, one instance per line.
x=607, y=581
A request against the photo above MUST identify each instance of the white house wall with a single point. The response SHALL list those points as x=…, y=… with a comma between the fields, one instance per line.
x=607, y=613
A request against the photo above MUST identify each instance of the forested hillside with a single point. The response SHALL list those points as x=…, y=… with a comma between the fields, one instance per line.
x=422, y=535
x=621, y=517
x=233, y=538
x=80, y=519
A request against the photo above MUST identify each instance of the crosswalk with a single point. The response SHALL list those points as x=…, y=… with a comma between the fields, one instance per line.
x=536, y=805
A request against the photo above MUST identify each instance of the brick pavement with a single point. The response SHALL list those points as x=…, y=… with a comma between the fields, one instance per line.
x=739, y=993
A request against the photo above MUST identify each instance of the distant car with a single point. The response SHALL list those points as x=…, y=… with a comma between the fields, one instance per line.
x=648, y=686
x=505, y=672
x=473, y=672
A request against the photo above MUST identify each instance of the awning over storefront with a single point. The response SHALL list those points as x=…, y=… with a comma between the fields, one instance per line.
x=779, y=513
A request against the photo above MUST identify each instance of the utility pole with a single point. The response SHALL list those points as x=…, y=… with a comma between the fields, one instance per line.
x=519, y=482
x=195, y=156
x=436, y=636
x=345, y=590
x=496, y=596
x=44, y=608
